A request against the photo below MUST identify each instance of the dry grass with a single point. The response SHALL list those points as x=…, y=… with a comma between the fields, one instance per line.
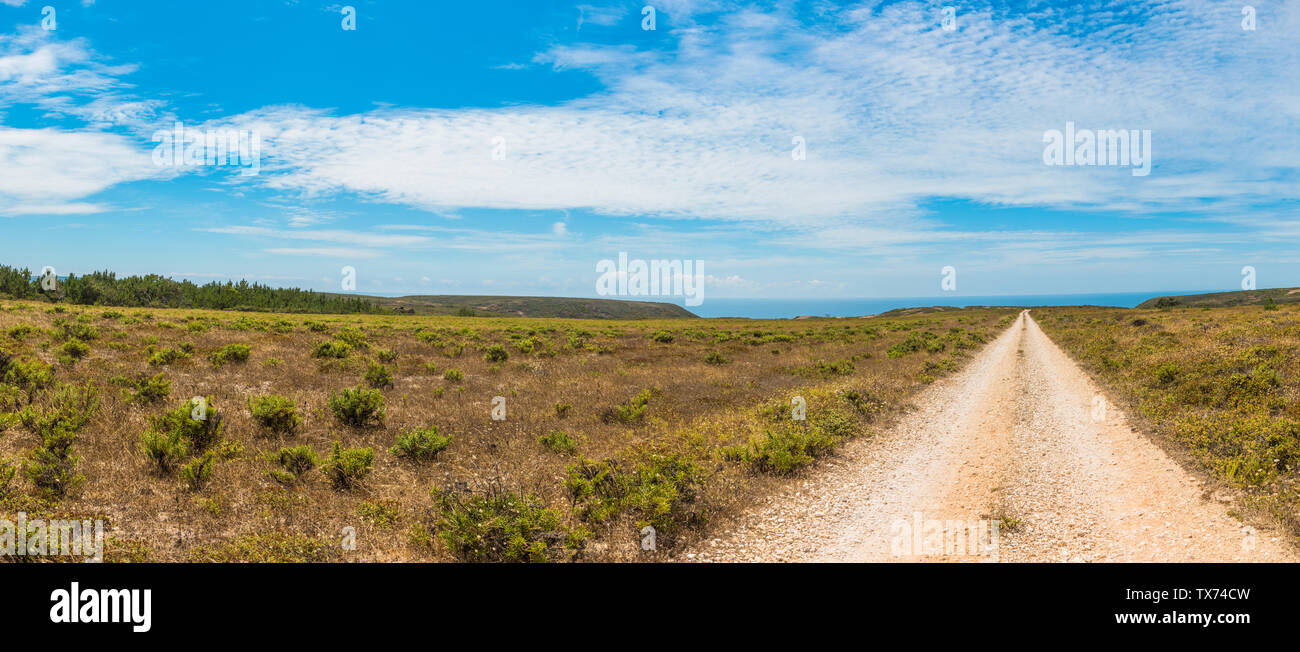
x=696, y=408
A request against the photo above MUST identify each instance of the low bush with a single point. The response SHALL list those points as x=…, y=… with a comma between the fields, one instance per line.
x=163, y=357
x=560, y=442
x=230, y=353
x=196, y=474
x=504, y=526
x=378, y=375
x=347, y=468
x=496, y=353
x=421, y=444
x=276, y=414
x=358, y=407
x=661, y=490
x=164, y=449
x=199, y=422
x=630, y=412
x=789, y=447
x=294, y=463
x=145, y=389
x=332, y=349
x=75, y=349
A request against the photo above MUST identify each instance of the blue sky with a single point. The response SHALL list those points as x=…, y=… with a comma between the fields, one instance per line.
x=924, y=146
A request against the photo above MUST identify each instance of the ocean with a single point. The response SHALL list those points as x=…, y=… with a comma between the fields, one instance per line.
x=787, y=308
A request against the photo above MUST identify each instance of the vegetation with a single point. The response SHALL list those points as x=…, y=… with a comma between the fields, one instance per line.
x=421, y=444
x=560, y=442
x=610, y=429
x=504, y=526
x=105, y=289
x=276, y=414
x=1219, y=383
x=230, y=353
x=358, y=407
x=294, y=463
x=347, y=468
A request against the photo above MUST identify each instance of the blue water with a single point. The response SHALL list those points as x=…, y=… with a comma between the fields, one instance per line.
x=786, y=308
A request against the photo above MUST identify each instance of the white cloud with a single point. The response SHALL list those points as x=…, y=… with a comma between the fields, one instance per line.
x=335, y=236
x=325, y=252
x=46, y=170
x=603, y=16
x=894, y=111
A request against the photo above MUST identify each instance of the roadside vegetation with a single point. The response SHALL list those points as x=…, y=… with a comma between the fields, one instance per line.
x=1218, y=385
x=228, y=436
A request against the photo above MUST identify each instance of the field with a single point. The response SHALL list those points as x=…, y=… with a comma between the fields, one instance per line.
x=314, y=432
x=1218, y=386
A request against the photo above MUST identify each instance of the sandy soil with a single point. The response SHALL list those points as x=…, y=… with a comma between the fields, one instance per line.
x=1020, y=438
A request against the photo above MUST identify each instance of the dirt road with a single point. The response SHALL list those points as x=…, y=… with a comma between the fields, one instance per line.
x=1020, y=438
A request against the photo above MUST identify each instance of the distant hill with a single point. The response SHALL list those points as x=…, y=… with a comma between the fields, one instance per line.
x=544, y=307
x=1235, y=298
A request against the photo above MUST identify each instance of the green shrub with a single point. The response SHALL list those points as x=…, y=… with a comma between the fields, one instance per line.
x=562, y=410
x=230, y=353
x=421, y=444
x=358, y=407
x=866, y=403
x=52, y=465
x=276, y=414
x=30, y=375
x=54, y=472
x=504, y=526
x=294, y=462
x=71, y=408
x=787, y=448
x=74, y=331
x=165, y=450
x=7, y=471
x=631, y=412
x=496, y=353
x=196, y=474
x=378, y=375
x=353, y=337
x=915, y=342
x=163, y=357
x=662, y=490
x=664, y=337
x=332, y=349
x=1166, y=373
x=184, y=421
x=560, y=442
x=75, y=349
x=714, y=357
x=383, y=513
x=144, y=389
x=347, y=468
x=454, y=375
x=386, y=355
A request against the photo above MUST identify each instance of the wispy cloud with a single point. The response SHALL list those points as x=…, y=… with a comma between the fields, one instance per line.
x=892, y=108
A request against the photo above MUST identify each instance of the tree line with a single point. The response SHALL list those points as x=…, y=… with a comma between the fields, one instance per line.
x=154, y=291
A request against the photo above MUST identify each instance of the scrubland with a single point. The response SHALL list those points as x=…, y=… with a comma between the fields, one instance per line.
x=226, y=436
x=1217, y=386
